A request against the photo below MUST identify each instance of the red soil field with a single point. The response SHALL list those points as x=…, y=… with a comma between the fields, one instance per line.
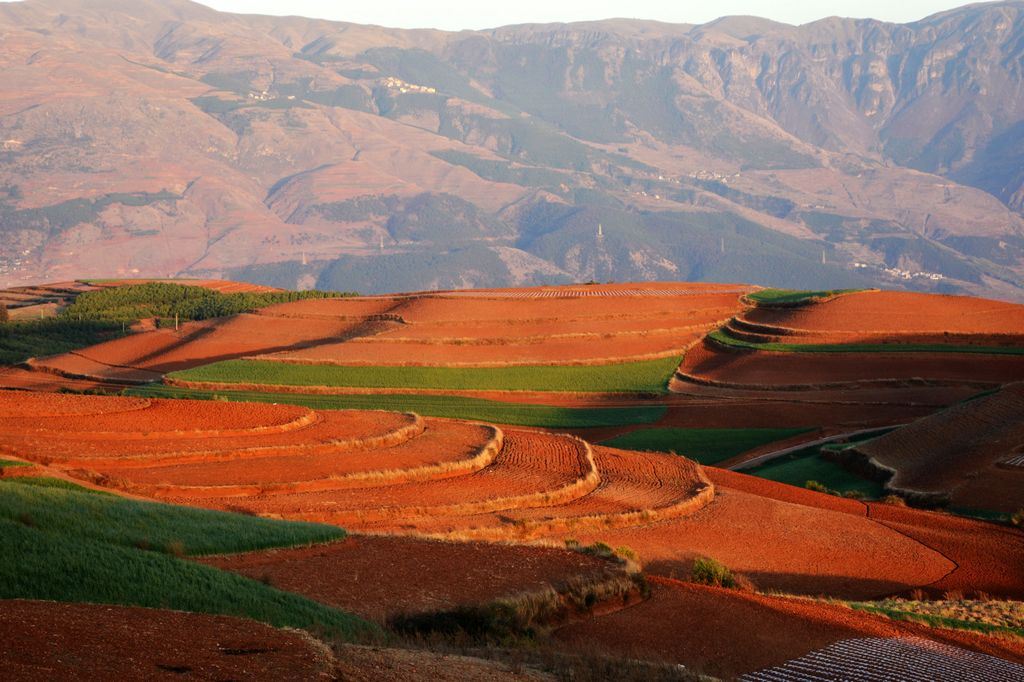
x=787, y=547
x=530, y=468
x=380, y=577
x=984, y=557
x=448, y=451
x=536, y=485
x=763, y=369
x=897, y=316
x=558, y=326
x=32, y=406
x=727, y=633
x=48, y=640
x=162, y=418
x=330, y=434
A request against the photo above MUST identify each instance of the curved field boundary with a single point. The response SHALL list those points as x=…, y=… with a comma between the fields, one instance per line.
x=308, y=418
x=692, y=501
x=757, y=332
x=483, y=457
x=685, y=377
x=583, y=485
x=798, y=299
x=35, y=364
x=582, y=293
x=588, y=362
x=532, y=340
x=412, y=429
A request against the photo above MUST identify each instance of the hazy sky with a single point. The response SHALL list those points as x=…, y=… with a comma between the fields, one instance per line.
x=459, y=14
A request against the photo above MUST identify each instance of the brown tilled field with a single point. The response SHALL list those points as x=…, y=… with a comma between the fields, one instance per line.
x=42, y=640
x=380, y=577
x=958, y=455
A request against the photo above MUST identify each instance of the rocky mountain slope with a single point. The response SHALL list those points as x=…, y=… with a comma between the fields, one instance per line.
x=162, y=138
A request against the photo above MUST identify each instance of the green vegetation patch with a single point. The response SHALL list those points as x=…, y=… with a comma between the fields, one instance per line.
x=648, y=376
x=453, y=407
x=808, y=465
x=707, y=446
x=792, y=297
x=57, y=506
x=165, y=299
x=75, y=546
x=724, y=338
x=22, y=340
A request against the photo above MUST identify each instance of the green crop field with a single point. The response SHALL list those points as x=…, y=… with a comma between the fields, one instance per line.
x=801, y=466
x=649, y=376
x=707, y=446
x=789, y=297
x=68, y=545
x=452, y=407
x=723, y=337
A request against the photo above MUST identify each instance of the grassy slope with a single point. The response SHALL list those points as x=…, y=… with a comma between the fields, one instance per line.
x=707, y=446
x=68, y=545
x=116, y=520
x=454, y=407
x=633, y=377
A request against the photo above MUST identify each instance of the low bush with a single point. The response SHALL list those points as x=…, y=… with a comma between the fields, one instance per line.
x=1017, y=518
x=707, y=571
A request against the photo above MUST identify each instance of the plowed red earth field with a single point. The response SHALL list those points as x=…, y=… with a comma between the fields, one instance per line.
x=726, y=633
x=48, y=641
x=897, y=316
x=380, y=577
x=764, y=369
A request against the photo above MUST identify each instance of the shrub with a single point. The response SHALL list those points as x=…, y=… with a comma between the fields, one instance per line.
x=894, y=500
x=707, y=571
x=818, y=487
x=1017, y=518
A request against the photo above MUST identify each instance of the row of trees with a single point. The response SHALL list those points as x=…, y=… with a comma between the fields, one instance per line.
x=163, y=299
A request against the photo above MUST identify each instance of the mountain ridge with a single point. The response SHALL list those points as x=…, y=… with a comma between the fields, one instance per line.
x=166, y=139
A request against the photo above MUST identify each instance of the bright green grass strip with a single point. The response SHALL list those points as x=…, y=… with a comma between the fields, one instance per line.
x=110, y=519
x=935, y=621
x=63, y=566
x=795, y=297
x=725, y=339
x=11, y=463
x=801, y=466
x=48, y=482
x=648, y=376
x=707, y=446
x=453, y=407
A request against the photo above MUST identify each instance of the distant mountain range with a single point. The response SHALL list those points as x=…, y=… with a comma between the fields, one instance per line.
x=163, y=138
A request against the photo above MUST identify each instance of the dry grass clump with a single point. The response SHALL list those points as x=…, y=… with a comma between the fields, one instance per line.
x=708, y=571
x=982, y=609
